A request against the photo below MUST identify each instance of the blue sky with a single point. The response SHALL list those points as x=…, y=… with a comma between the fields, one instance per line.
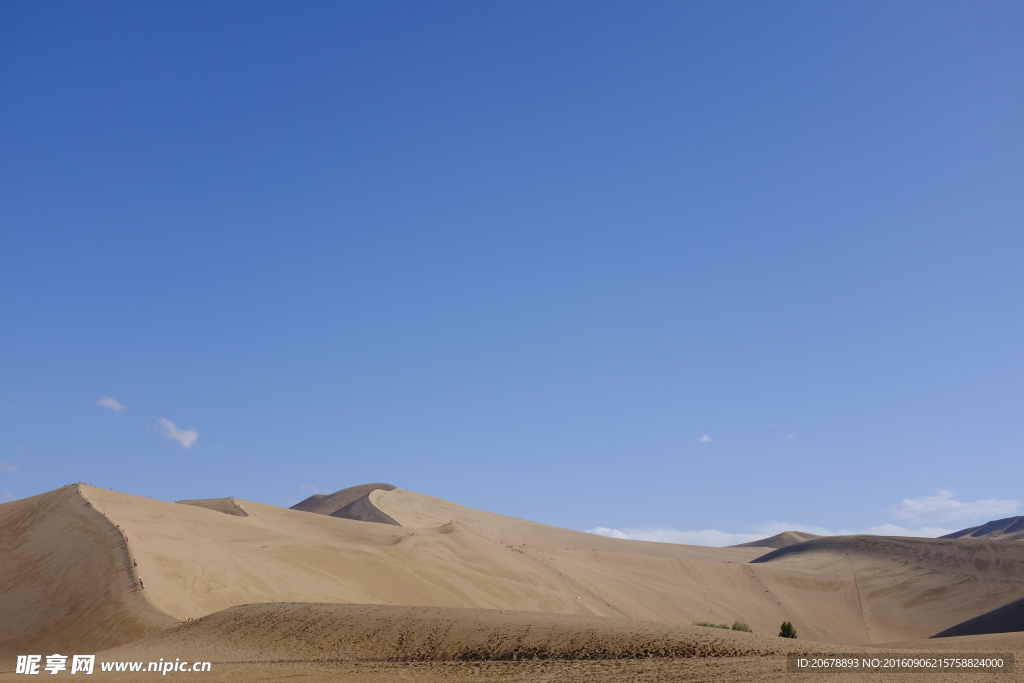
x=660, y=266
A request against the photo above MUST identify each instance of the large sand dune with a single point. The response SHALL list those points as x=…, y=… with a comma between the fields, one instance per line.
x=1008, y=529
x=73, y=558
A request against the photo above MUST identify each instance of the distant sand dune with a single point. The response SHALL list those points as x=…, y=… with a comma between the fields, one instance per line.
x=228, y=506
x=326, y=504
x=1009, y=529
x=786, y=538
x=363, y=510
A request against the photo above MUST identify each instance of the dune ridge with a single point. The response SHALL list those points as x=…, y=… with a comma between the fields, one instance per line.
x=326, y=504
x=67, y=578
x=1008, y=529
x=785, y=539
x=229, y=506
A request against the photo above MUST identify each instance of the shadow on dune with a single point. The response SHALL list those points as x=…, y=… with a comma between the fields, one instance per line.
x=1005, y=619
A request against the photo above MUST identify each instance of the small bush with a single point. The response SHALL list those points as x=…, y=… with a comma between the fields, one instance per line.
x=740, y=626
x=787, y=630
x=708, y=623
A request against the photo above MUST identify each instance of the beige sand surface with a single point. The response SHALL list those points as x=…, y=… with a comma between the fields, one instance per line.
x=786, y=538
x=68, y=583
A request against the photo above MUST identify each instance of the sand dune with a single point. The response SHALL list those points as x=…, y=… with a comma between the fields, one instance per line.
x=66, y=579
x=1009, y=529
x=70, y=580
x=303, y=631
x=786, y=538
x=363, y=510
x=229, y=506
x=326, y=504
x=1005, y=619
x=912, y=587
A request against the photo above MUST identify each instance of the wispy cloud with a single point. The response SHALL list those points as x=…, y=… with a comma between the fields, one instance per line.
x=944, y=508
x=714, y=537
x=8, y=467
x=8, y=495
x=309, y=489
x=705, y=439
x=107, y=402
x=186, y=437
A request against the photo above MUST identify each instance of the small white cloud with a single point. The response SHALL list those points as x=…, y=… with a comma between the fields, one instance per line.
x=8, y=495
x=944, y=508
x=712, y=537
x=8, y=467
x=789, y=437
x=605, y=531
x=21, y=449
x=186, y=437
x=107, y=402
x=705, y=439
x=309, y=489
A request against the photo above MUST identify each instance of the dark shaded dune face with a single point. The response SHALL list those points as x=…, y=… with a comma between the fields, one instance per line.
x=363, y=510
x=327, y=504
x=228, y=506
x=1006, y=619
x=961, y=553
x=914, y=587
x=783, y=540
x=1008, y=529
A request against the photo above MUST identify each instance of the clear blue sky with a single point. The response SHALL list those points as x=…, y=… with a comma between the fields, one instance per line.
x=519, y=255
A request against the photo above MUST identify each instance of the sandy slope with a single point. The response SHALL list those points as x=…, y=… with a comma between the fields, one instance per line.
x=912, y=587
x=67, y=583
x=1008, y=529
x=786, y=538
x=66, y=579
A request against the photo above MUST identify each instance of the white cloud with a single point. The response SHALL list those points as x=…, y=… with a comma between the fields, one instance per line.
x=107, y=402
x=714, y=537
x=789, y=437
x=705, y=439
x=944, y=508
x=8, y=467
x=8, y=495
x=309, y=489
x=923, y=513
x=186, y=437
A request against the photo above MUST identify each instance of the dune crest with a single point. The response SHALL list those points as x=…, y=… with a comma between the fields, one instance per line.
x=1008, y=529
x=67, y=577
x=783, y=540
x=327, y=504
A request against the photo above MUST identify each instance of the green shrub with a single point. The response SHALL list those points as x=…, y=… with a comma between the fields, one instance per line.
x=740, y=626
x=708, y=623
x=787, y=630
